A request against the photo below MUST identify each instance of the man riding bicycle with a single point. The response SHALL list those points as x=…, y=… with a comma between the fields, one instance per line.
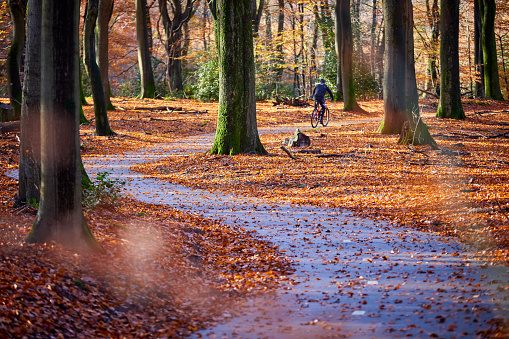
x=319, y=95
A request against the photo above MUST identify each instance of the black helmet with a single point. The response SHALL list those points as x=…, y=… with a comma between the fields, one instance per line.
x=322, y=81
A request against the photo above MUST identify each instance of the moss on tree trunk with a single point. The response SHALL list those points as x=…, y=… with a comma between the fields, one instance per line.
x=237, y=130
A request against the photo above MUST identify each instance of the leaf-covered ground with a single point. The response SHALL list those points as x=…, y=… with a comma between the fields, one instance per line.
x=164, y=272
x=459, y=190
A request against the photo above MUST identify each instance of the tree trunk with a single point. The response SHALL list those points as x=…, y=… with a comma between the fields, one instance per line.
x=345, y=25
x=339, y=54
x=256, y=15
x=148, y=84
x=173, y=35
x=103, y=20
x=433, y=14
x=411, y=95
x=268, y=23
x=401, y=106
x=504, y=69
x=478, y=58
x=303, y=64
x=237, y=130
x=279, y=47
x=30, y=138
x=17, y=9
x=394, y=68
x=82, y=91
x=174, y=62
x=374, y=23
x=60, y=216
x=355, y=27
x=450, y=96
x=380, y=59
x=313, y=69
x=489, y=49
x=102, y=126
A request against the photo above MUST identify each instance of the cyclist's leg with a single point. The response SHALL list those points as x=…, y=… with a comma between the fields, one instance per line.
x=322, y=110
x=322, y=103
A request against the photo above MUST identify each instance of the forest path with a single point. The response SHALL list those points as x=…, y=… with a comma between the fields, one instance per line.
x=354, y=277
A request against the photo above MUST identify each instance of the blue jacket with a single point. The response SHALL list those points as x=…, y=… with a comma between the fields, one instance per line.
x=319, y=92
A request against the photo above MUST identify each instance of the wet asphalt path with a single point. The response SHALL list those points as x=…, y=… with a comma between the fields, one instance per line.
x=354, y=277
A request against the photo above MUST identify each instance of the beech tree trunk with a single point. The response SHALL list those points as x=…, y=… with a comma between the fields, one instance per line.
x=346, y=45
x=478, y=57
x=401, y=105
x=148, y=84
x=339, y=54
x=489, y=49
x=102, y=125
x=237, y=130
x=394, y=68
x=60, y=216
x=256, y=14
x=30, y=137
x=17, y=9
x=433, y=14
x=411, y=95
x=103, y=21
x=450, y=96
x=374, y=23
x=173, y=36
x=279, y=46
x=174, y=62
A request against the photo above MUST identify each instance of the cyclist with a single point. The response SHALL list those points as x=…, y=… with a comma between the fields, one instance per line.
x=319, y=96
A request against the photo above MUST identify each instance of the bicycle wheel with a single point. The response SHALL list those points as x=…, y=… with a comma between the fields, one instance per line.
x=315, y=117
x=325, y=119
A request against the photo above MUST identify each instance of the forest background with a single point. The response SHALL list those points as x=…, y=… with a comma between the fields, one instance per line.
x=294, y=47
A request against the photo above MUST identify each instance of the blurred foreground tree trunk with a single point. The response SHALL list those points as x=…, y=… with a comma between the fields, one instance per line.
x=237, y=130
x=60, y=216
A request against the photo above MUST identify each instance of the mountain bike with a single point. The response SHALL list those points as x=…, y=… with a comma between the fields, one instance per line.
x=319, y=116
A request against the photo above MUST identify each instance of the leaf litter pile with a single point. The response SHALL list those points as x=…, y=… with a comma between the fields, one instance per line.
x=166, y=273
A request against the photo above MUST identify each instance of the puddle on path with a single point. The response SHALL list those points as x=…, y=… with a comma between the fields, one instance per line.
x=353, y=276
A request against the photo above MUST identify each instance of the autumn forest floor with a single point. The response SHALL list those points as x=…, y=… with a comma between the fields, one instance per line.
x=164, y=271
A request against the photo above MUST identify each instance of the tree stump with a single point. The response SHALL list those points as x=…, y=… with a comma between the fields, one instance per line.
x=299, y=139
